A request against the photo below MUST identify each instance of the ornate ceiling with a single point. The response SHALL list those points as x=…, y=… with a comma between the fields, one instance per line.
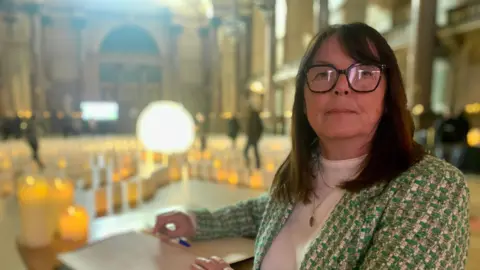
x=186, y=11
x=187, y=8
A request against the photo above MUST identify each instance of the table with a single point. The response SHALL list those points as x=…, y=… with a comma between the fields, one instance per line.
x=46, y=258
x=191, y=193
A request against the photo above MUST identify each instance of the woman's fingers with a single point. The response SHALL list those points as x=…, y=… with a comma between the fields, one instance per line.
x=213, y=263
x=183, y=226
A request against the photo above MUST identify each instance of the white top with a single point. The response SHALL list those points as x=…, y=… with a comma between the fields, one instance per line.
x=289, y=247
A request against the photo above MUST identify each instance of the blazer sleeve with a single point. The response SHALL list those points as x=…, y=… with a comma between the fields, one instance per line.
x=239, y=220
x=426, y=226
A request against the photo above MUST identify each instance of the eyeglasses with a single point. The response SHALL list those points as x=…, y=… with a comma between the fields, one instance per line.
x=361, y=78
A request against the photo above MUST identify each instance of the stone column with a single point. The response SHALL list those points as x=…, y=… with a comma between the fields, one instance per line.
x=204, y=95
x=215, y=74
x=420, y=57
x=7, y=96
x=78, y=24
x=36, y=69
x=47, y=22
x=92, y=89
x=320, y=15
x=268, y=9
x=175, y=85
x=247, y=48
x=299, y=16
x=355, y=11
x=460, y=64
x=206, y=58
x=246, y=61
x=165, y=19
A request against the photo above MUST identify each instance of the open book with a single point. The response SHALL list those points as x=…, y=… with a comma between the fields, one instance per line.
x=146, y=252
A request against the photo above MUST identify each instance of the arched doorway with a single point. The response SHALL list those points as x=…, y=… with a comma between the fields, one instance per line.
x=130, y=72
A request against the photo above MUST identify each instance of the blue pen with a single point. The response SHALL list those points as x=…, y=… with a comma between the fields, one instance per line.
x=183, y=243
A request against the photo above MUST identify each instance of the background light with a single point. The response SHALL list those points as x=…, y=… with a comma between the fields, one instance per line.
x=166, y=127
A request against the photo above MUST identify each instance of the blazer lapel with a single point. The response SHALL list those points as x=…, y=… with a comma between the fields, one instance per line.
x=274, y=223
x=341, y=236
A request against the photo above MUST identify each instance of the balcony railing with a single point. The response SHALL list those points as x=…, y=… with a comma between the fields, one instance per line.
x=465, y=13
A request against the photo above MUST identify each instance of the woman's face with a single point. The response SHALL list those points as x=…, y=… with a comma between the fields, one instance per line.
x=342, y=113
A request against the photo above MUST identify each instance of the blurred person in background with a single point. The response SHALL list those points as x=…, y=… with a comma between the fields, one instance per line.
x=356, y=191
x=451, y=137
x=31, y=134
x=233, y=130
x=201, y=131
x=253, y=132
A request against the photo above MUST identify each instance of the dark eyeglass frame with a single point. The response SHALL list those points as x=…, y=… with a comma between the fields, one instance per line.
x=345, y=72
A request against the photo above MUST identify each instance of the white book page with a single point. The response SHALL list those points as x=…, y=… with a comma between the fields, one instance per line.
x=129, y=251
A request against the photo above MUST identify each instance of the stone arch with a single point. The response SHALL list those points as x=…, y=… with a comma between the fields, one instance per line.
x=129, y=72
x=129, y=38
x=107, y=29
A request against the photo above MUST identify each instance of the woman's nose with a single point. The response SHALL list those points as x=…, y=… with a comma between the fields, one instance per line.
x=342, y=85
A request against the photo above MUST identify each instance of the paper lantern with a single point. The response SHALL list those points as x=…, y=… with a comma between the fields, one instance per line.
x=166, y=127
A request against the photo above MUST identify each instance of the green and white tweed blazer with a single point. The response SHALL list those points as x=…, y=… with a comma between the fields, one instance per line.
x=420, y=220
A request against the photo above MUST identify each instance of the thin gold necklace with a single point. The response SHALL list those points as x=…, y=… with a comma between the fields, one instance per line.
x=311, y=221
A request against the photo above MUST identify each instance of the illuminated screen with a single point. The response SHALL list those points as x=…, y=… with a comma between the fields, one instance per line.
x=99, y=111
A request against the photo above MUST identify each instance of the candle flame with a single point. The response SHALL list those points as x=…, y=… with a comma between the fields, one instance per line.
x=58, y=182
x=71, y=210
x=30, y=180
x=62, y=164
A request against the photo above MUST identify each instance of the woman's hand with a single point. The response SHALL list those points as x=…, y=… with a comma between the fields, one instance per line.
x=184, y=226
x=214, y=263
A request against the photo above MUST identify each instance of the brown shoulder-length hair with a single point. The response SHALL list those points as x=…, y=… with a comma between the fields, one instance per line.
x=392, y=150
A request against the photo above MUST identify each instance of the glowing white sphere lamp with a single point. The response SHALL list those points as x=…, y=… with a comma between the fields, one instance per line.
x=166, y=127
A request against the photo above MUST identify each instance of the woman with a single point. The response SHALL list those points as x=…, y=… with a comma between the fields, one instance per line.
x=356, y=192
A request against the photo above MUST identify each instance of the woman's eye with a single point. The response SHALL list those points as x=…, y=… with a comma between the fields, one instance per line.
x=366, y=73
x=322, y=75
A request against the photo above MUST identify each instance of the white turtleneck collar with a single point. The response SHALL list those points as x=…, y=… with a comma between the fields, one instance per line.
x=335, y=172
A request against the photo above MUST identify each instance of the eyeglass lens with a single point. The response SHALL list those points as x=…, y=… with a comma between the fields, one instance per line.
x=362, y=78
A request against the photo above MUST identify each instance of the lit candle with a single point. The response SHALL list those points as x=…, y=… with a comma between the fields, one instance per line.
x=124, y=196
x=207, y=155
x=222, y=175
x=62, y=196
x=73, y=223
x=174, y=170
x=62, y=163
x=233, y=177
x=132, y=193
x=217, y=164
x=256, y=180
x=125, y=173
x=109, y=186
x=6, y=164
x=270, y=166
x=174, y=173
x=34, y=207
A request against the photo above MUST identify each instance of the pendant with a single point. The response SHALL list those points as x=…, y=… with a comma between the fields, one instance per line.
x=311, y=221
